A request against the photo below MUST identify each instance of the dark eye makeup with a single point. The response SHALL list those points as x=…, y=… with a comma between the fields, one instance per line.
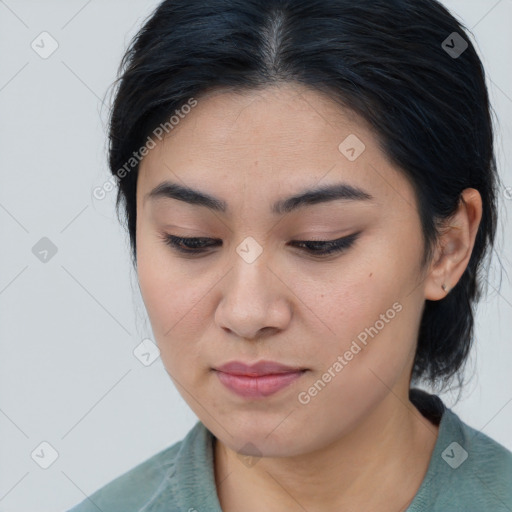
x=201, y=245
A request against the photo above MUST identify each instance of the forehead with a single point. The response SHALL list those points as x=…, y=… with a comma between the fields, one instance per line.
x=267, y=119
x=273, y=141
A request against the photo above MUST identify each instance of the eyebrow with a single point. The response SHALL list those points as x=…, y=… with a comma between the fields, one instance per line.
x=323, y=194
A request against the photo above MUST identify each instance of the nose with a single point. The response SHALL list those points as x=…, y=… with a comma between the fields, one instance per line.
x=255, y=301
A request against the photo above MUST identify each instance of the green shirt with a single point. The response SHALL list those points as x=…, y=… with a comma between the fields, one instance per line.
x=468, y=472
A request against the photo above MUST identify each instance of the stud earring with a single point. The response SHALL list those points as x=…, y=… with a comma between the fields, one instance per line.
x=444, y=287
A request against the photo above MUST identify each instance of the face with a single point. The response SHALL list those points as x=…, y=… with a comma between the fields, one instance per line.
x=257, y=291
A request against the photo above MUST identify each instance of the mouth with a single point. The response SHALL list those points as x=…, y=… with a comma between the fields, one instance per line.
x=258, y=380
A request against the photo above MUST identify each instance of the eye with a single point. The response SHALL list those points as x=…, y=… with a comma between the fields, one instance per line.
x=325, y=248
x=195, y=246
x=189, y=245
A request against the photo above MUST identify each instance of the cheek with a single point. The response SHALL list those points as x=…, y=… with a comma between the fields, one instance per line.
x=164, y=289
x=178, y=306
x=362, y=314
x=358, y=368
x=340, y=302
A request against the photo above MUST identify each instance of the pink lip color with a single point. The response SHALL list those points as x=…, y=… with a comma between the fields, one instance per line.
x=259, y=380
x=257, y=387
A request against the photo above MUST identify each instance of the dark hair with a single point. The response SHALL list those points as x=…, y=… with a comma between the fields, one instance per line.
x=390, y=61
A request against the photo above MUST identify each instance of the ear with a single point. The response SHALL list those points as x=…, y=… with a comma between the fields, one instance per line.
x=455, y=246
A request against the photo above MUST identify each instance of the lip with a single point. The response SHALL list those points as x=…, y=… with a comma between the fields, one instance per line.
x=256, y=369
x=258, y=380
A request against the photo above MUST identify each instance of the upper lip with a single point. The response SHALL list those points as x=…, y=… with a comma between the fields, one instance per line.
x=256, y=369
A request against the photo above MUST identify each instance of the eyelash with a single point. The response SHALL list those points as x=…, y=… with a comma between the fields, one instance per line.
x=329, y=247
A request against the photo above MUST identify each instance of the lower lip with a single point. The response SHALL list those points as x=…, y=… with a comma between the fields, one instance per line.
x=257, y=387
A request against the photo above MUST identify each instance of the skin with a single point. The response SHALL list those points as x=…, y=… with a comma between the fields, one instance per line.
x=360, y=431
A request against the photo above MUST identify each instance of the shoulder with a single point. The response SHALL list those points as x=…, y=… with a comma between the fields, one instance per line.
x=489, y=466
x=469, y=470
x=138, y=487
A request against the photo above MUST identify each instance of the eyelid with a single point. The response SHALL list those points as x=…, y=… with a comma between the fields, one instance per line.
x=321, y=238
x=330, y=247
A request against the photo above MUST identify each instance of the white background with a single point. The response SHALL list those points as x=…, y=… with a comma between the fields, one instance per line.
x=68, y=327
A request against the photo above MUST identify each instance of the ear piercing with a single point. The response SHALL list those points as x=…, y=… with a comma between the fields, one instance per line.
x=444, y=287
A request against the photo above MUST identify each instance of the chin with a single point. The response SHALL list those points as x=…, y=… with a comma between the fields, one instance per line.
x=263, y=439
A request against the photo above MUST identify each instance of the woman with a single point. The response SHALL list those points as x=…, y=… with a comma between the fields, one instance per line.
x=310, y=192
